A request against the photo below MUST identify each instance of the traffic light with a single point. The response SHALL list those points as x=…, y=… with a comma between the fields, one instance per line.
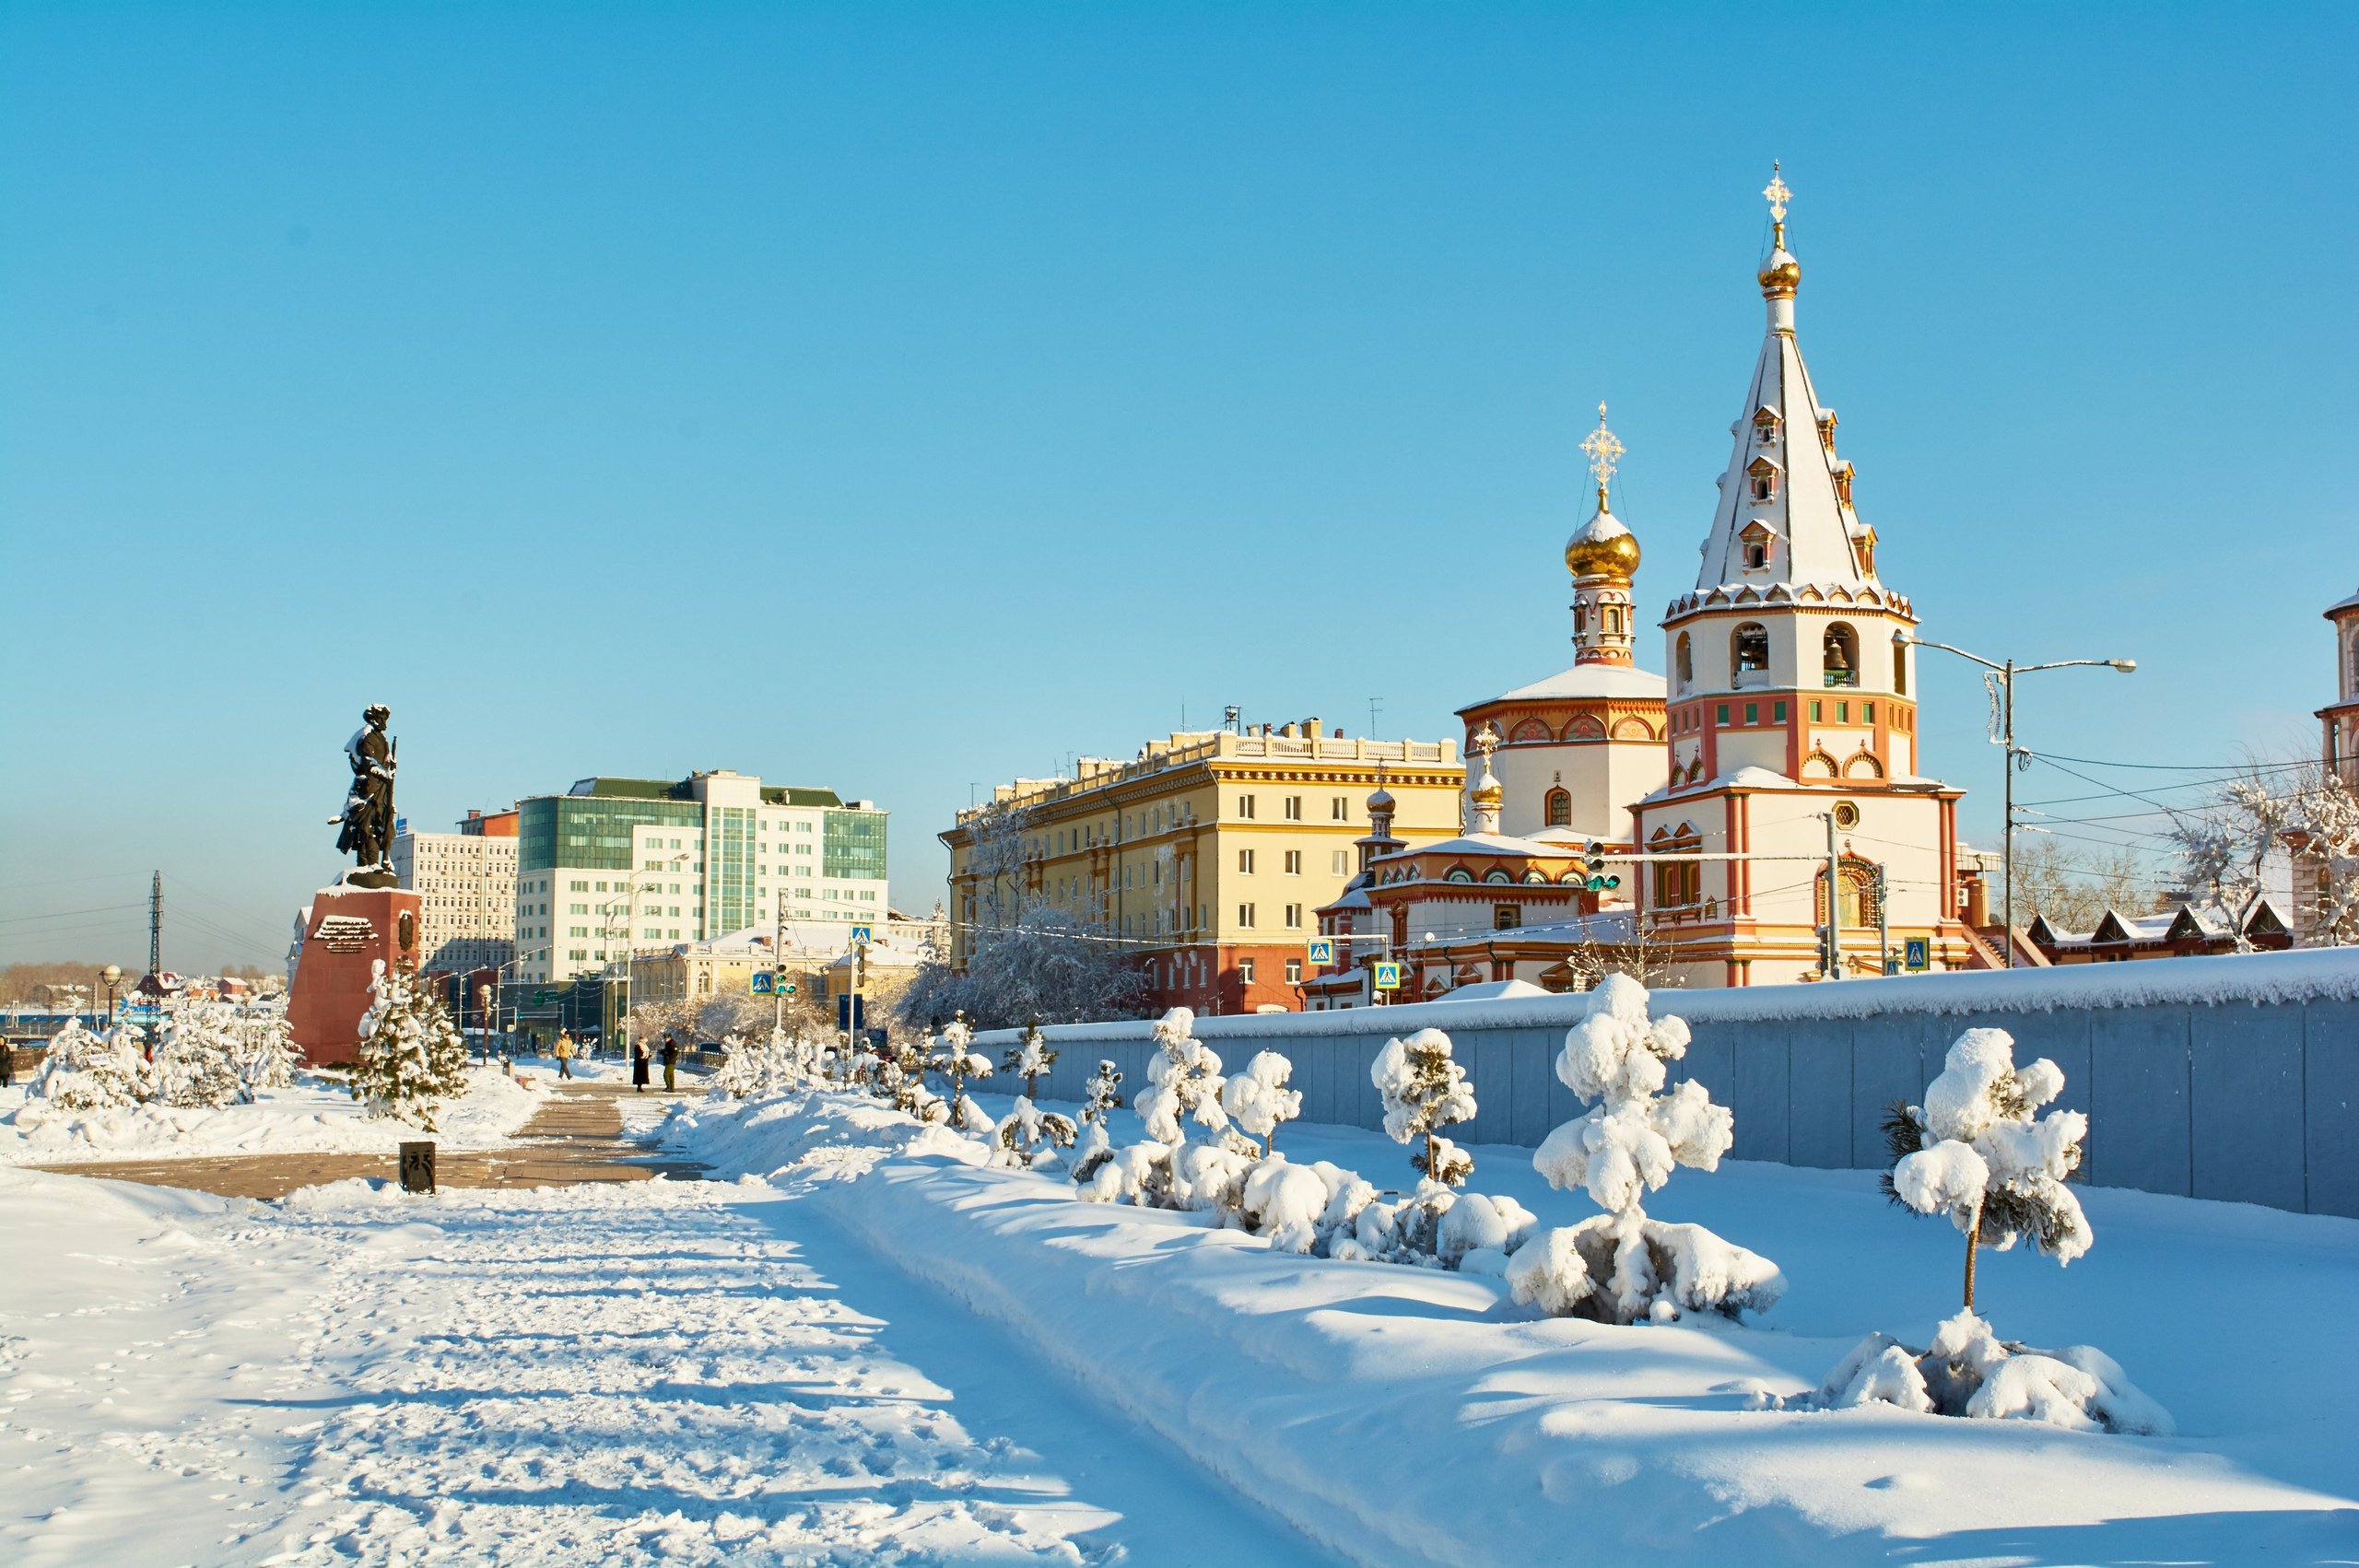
x=1829, y=956
x=1593, y=862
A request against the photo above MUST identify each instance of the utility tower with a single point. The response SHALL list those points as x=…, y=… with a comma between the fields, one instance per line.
x=156, y=925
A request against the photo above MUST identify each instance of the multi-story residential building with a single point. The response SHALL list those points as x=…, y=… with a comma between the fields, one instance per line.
x=1204, y=857
x=466, y=883
x=613, y=865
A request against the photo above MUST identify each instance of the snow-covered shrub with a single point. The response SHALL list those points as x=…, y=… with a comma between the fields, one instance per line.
x=411, y=1057
x=1258, y=1099
x=268, y=1057
x=1184, y=1081
x=83, y=1072
x=1976, y=1150
x=1620, y=1266
x=1029, y=1058
x=899, y=1075
x=1477, y=1224
x=955, y=1057
x=1968, y=1370
x=1102, y=1093
x=1423, y=1090
x=1286, y=1203
x=197, y=1050
x=766, y=1064
x=1026, y=1134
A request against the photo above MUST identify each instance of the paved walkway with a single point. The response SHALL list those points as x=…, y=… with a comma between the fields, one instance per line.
x=577, y=1137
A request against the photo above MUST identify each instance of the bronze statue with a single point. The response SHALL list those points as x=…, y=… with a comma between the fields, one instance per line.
x=368, y=808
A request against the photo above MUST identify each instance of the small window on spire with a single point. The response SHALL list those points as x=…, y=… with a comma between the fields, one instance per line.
x=1761, y=474
x=1754, y=540
x=1765, y=426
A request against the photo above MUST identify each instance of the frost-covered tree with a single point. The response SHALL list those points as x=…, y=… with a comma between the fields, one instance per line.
x=955, y=1057
x=1026, y=1134
x=1423, y=1090
x=1621, y=1266
x=2324, y=842
x=1029, y=1058
x=1184, y=1081
x=1978, y=1151
x=198, y=1051
x=1258, y=1099
x=411, y=1056
x=768, y=1063
x=1102, y=1093
x=85, y=1071
x=268, y=1057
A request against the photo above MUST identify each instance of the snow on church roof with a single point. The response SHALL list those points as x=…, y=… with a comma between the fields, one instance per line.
x=1584, y=681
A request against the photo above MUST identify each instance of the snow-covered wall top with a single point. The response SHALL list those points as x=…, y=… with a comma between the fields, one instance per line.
x=2250, y=980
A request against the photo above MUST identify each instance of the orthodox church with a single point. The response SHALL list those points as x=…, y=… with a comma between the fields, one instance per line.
x=1782, y=747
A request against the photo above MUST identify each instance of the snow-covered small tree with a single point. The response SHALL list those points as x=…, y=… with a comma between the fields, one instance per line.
x=1258, y=1099
x=1029, y=1058
x=85, y=1071
x=1621, y=1266
x=1423, y=1090
x=1184, y=1081
x=1976, y=1152
x=1102, y=1093
x=197, y=1055
x=411, y=1056
x=750, y=1067
x=1027, y=1132
x=955, y=1057
x=268, y=1057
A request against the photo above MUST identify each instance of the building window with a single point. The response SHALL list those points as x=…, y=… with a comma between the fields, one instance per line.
x=1867, y=713
x=1753, y=713
x=1245, y=861
x=1724, y=716
x=1294, y=808
x=1841, y=663
x=1778, y=714
x=1294, y=862
x=1245, y=916
x=1842, y=713
x=1506, y=917
x=1340, y=809
x=1560, y=808
x=1748, y=650
x=1340, y=862
x=1817, y=710
x=1294, y=971
x=1899, y=664
x=1245, y=970
x=1245, y=807
x=1684, y=660
x=1293, y=917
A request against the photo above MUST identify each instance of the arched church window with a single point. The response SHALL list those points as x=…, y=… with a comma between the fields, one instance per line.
x=1612, y=618
x=1757, y=552
x=1841, y=662
x=1580, y=617
x=1749, y=648
x=1686, y=662
x=1900, y=663
x=1560, y=808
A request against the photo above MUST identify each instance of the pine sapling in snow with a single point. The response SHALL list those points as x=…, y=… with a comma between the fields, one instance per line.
x=1183, y=1091
x=1100, y=1096
x=1620, y=1266
x=1029, y=1058
x=268, y=1057
x=411, y=1058
x=1978, y=1151
x=1423, y=1090
x=751, y=1068
x=1027, y=1132
x=1258, y=1098
x=197, y=1055
x=83, y=1072
x=955, y=1057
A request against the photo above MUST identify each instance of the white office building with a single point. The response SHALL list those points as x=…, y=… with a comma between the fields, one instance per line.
x=614, y=866
x=466, y=883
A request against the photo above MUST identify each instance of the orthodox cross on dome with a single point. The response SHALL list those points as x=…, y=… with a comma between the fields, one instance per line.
x=1604, y=448
x=1486, y=742
x=1779, y=195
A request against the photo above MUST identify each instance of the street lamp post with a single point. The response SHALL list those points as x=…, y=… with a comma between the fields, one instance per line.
x=2006, y=671
x=112, y=975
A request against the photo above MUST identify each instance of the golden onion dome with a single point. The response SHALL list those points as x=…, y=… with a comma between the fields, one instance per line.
x=1602, y=547
x=1780, y=276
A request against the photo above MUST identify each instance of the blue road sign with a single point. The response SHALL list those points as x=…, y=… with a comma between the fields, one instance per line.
x=860, y=933
x=764, y=982
x=1322, y=950
x=1388, y=977
x=1920, y=954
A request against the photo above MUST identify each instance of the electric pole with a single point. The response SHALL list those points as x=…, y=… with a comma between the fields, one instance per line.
x=156, y=925
x=1834, y=903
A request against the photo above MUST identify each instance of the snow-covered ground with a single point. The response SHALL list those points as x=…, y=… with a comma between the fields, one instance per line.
x=869, y=1349
x=1402, y=1415
x=316, y=1115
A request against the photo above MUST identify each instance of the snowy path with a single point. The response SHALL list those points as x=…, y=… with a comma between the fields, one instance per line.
x=701, y=1372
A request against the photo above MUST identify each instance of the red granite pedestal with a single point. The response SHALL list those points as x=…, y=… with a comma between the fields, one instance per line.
x=351, y=929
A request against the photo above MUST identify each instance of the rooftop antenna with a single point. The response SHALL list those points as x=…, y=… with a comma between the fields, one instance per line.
x=1375, y=707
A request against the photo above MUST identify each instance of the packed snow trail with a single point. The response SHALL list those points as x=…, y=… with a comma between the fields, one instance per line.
x=574, y=1375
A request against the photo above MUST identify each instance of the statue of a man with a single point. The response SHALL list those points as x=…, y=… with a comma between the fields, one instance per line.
x=368, y=808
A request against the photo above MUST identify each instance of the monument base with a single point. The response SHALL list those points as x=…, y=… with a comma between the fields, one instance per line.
x=351, y=929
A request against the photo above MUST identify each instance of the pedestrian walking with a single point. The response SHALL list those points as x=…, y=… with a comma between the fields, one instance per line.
x=564, y=1054
x=639, y=1067
x=671, y=1061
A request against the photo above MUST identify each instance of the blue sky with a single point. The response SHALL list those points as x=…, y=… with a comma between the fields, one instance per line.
x=900, y=398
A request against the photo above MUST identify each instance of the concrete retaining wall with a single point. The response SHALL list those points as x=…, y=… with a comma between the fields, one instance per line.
x=2233, y=1078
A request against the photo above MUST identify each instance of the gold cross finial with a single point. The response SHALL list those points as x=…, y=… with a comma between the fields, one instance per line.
x=1779, y=194
x=1604, y=446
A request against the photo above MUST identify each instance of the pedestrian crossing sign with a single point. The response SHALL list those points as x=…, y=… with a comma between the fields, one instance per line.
x=860, y=933
x=1322, y=950
x=764, y=982
x=1388, y=977
x=1919, y=957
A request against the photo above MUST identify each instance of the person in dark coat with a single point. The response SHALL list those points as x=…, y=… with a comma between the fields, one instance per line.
x=671, y=1061
x=639, y=1067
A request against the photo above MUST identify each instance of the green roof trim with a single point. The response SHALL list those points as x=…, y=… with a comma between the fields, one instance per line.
x=632, y=788
x=788, y=795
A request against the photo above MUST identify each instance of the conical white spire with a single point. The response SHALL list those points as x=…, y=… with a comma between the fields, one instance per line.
x=1785, y=513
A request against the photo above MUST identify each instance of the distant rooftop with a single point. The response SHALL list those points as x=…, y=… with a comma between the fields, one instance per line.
x=684, y=789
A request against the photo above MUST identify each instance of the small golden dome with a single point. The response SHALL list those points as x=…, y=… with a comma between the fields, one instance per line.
x=1602, y=547
x=1780, y=276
